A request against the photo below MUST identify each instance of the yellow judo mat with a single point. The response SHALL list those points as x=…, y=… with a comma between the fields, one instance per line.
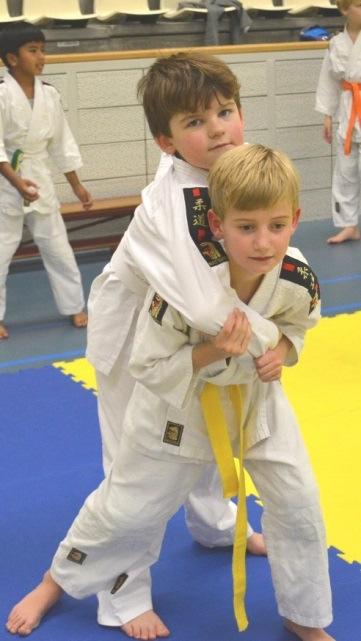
x=324, y=389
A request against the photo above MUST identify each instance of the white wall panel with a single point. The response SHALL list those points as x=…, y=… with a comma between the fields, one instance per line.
x=111, y=124
x=277, y=94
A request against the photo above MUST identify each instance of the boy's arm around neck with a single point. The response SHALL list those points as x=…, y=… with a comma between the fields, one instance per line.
x=160, y=250
x=162, y=355
x=232, y=340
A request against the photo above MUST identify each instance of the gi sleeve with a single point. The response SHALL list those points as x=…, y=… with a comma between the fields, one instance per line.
x=112, y=317
x=161, y=358
x=328, y=93
x=236, y=371
x=294, y=324
x=62, y=148
x=298, y=286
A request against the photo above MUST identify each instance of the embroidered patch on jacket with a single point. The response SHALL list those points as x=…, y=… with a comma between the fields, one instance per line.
x=197, y=206
x=173, y=433
x=76, y=556
x=298, y=272
x=157, y=308
x=119, y=582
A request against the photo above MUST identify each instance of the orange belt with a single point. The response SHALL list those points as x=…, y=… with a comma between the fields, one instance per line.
x=355, y=87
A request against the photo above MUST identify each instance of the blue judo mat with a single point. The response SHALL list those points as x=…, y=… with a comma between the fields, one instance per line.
x=50, y=461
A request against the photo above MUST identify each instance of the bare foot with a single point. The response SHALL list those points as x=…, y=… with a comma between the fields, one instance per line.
x=27, y=614
x=348, y=233
x=80, y=320
x=307, y=634
x=256, y=544
x=146, y=626
x=3, y=332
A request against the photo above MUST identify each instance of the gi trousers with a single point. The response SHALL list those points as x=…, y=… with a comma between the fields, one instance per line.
x=49, y=233
x=118, y=531
x=346, y=186
x=209, y=517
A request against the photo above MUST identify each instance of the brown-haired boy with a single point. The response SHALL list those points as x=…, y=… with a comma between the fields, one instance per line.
x=184, y=83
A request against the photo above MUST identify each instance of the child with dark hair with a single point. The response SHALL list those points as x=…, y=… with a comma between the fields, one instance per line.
x=33, y=128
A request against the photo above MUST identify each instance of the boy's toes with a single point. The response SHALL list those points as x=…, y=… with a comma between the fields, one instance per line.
x=147, y=627
x=146, y=634
x=18, y=625
x=127, y=628
x=14, y=623
x=25, y=630
x=162, y=631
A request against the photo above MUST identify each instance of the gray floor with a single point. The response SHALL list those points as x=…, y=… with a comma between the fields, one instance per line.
x=39, y=335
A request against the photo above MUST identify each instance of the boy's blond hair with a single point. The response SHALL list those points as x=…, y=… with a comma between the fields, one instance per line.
x=183, y=83
x=252, y=177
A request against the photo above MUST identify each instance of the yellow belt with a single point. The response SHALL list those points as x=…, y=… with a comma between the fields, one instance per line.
x=232, y=485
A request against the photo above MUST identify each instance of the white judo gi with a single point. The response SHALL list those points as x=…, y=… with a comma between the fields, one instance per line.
x=113, y=307
x=342, y=62
x=40, y=131
x=164, y=448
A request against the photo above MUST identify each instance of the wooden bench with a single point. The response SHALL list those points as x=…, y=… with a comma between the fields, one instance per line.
x=103, y=209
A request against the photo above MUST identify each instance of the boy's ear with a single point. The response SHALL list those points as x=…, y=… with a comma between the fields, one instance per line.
x=296, y=219
x=215, y=224
x=166, y=144
x=11, y=59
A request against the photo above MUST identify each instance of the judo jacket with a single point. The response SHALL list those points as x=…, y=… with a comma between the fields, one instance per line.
x=41, y=132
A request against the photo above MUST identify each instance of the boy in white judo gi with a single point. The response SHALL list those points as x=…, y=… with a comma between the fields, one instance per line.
x=33, y=129
x=339, y=91
x=165, y=446
x=179, y=84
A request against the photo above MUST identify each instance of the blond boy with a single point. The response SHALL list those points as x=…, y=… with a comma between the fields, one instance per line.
x=254, y=193
x=339, y=91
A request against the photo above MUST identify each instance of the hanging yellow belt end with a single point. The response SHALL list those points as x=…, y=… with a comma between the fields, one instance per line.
x=233, y=485
x=241, y=616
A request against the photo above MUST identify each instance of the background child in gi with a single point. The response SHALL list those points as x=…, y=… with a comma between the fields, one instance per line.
x=339, y=90
x=32, y=129
x=165, y=446
x=174, y=87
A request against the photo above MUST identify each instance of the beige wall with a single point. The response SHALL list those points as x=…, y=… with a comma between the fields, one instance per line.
x=278, y=86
